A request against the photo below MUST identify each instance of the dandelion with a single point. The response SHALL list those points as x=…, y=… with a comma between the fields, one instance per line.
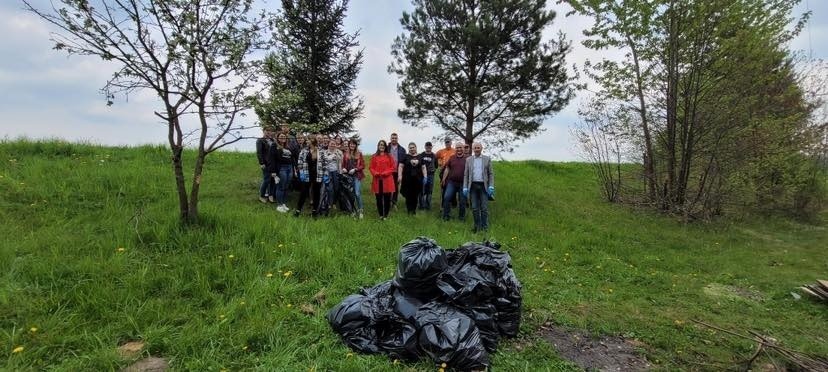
x=289, y=305
x=545, y=270
x=244, y=347
x=18, y=349
x=221, y=316
x=537, y=258
x=396, y=361
x=230, y=256
x=281, y=245
x=33, y=329
x=121, y=249
x=241, y=303
x=349, y=355
x=679, y=322
x=610, y=290
x=269, y=275
x=287, y=274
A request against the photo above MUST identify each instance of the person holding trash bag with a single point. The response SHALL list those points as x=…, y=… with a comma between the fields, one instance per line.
x=478, y=184
x=328, y=167
x=353, y=165
x=412, y=178
x=308, y=171
x=382, y=170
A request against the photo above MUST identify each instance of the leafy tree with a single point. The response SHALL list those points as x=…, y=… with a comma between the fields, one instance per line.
x=192, y=54
x=722, y=116
x=312, y=75
x=479, y=69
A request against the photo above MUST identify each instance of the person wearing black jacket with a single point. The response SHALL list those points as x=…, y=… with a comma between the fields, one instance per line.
x=281, y=166
x=262, y=148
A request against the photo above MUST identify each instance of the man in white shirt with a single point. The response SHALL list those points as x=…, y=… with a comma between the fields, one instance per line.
x=478, y=184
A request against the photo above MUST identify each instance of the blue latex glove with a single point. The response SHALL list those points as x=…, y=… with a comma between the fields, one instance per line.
x=491, y=191
x=303, y=176
x=425, y=181
x=465, y=192
x=326, y=179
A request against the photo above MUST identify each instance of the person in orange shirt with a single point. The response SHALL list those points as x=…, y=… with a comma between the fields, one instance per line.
x=443, y=155
x=382, y=172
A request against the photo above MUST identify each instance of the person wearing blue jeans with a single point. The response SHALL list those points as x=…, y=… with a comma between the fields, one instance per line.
x=453, y=181
x=429, y=159
x=478, y=183
x=280, y=165
x=452, y=189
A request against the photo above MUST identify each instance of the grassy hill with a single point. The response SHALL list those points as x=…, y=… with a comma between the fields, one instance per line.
x=91, y=256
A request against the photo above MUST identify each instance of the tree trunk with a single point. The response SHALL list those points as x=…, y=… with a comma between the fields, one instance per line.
x=177, y=149
x=649, y=156
x=672, y=107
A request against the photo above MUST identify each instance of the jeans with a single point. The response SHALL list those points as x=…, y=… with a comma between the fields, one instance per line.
x=358, y=192
x=480, y=206
x=266, y=189
x=285, y=174
x=453, y=189
x=428, y=189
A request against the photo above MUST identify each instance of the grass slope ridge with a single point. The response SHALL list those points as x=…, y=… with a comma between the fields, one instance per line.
x=92, y=257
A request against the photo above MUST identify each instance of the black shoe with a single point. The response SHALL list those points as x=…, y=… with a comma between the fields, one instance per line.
x=296, y=213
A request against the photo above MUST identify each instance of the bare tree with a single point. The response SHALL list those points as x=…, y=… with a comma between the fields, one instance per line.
x=193, y=54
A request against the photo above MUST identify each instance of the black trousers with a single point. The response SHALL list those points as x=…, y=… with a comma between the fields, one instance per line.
x=383, y=202
x=309, y=189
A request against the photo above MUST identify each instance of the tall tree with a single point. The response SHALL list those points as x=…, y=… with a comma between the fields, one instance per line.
x=313, y=74
x=479, y=69
x=194, y=55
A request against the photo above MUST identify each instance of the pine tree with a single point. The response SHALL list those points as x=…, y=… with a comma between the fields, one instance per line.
x=479, y=69
x=312, y=74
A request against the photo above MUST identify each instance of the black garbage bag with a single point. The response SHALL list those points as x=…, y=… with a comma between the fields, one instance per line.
x=509, y=305
x=357, y=316
x=419, y=264
x=325, y=200
x=398, y=338
x=405, y=304
x=480, y=275
x=347, y=193
x=449, y=336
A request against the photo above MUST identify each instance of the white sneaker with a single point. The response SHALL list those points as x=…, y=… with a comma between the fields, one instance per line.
x=360, y=215
x=282, y=208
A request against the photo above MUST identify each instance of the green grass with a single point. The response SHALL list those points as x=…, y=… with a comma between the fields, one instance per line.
x=67, y=208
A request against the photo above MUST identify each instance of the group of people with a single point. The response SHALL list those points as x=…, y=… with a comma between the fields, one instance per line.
x=328, y=172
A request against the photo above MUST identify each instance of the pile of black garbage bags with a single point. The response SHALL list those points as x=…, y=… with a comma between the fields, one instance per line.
x=452, y=306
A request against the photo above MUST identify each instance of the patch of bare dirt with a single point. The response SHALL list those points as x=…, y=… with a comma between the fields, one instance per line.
x=604, y=353
x=150, y=364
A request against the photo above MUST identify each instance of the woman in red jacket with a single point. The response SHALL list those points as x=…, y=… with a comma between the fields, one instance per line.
x=382, y=170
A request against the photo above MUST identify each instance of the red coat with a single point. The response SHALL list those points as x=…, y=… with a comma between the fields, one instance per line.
x=382, y=168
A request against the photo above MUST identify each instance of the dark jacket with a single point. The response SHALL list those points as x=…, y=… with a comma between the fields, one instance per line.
x=262, y=148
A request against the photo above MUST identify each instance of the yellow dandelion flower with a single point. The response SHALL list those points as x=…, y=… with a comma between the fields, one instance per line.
x=287, y=273
x=241, y=303
x=269, y=275
x=349, y=355
x=396, y=361
x=244, y=347
x=679, y=322
x=230, y=256
x=33, y=329
x=441, y=369
x=281, y=245
x=121, y=249
x=18, y=349
x=610, y=290
x=289, y=305
x=221, y=316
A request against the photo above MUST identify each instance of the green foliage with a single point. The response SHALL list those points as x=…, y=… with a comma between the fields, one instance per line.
x=718, y=109
x=312, y=75
x=202, y=297
x=479, y=70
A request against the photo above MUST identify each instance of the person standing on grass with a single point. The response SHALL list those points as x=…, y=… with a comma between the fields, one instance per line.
x=443, y=156
x=478, y=184
x=382, y=172
x=309, y=186
x=262, y=149
x=412, y=178
x=353, y=165
x=429, y=159
x=397, y=153
x=333, y=168
x=281, y=169
x=453, y=182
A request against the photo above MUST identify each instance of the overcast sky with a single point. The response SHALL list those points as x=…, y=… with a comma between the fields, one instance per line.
x=44, y=93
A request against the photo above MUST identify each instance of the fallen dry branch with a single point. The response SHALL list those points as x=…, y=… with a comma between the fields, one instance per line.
x=818, y=289
x=769, y=346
